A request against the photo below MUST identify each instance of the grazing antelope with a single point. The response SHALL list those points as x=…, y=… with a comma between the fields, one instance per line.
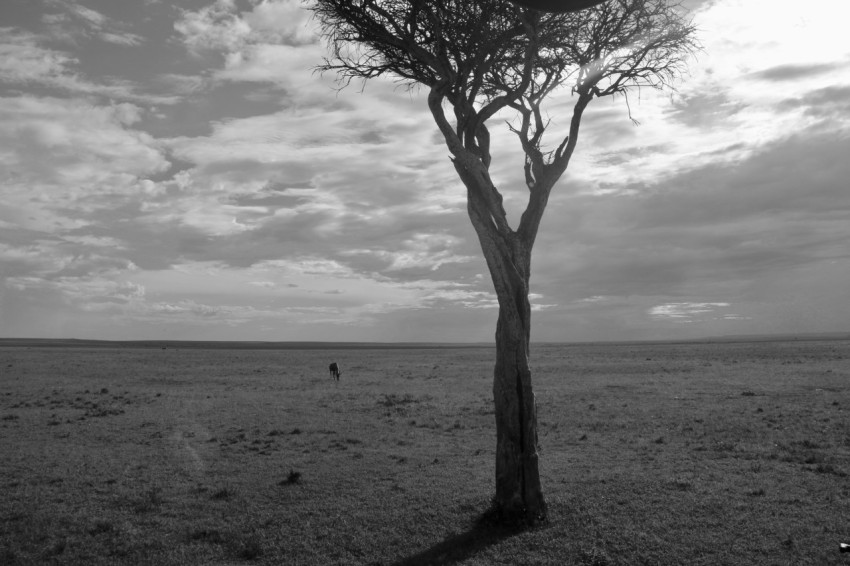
x=334, y=369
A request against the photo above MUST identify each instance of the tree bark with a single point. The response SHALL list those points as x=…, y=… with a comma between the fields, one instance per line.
x=519, y=497
x=518, y=491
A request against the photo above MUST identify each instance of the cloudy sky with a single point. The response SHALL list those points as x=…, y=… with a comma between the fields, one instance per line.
x=176, y=170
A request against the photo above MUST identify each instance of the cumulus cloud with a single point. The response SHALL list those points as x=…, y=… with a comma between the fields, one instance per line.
x=426, y=251
x=216, y=27
x=66, y=149
x=36, y=257
x=92, y=291
x=64, y=162
x=304, y=291
x=685, y=312
x=73, y=22
x=306, y=177
x=22, y=60
x=222, y=27
x=26, y=62
x=274, y=43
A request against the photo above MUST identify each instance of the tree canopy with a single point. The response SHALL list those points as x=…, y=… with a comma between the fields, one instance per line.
x=484, y=55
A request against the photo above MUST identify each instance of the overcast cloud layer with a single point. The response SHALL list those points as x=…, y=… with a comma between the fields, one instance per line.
x=182, y=173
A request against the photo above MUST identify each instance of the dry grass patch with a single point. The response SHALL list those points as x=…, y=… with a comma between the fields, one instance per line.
x=657, y=454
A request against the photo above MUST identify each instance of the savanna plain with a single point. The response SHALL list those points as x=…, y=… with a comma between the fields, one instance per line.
x=651, y=454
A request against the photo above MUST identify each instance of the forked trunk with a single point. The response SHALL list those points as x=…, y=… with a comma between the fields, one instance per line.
x=518, y=492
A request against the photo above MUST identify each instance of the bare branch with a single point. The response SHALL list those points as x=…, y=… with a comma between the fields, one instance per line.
x=484, y=56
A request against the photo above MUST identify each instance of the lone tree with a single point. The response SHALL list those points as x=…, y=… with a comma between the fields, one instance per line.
x=480, y=58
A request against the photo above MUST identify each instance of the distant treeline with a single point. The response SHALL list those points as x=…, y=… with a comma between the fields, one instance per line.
x=778, y=337
x=227, y=345
x=248, y=345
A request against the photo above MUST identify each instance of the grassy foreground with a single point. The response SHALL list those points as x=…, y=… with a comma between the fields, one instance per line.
x=654, y=454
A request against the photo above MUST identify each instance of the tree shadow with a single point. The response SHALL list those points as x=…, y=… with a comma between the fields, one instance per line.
x=459, y=547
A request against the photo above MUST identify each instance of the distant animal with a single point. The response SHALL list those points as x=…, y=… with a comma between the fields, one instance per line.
x=843, y=547
x=334, y=369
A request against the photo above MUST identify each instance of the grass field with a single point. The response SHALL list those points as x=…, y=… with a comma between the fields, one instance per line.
x=651, y=454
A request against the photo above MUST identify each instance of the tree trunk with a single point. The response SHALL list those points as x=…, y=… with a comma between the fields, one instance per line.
x=518, y=492
x=519, y=497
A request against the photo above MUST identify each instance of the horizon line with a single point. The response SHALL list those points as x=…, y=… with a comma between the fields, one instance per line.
x=320, y=344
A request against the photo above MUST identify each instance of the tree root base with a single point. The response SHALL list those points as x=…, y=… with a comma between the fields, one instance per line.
x=513, y=517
